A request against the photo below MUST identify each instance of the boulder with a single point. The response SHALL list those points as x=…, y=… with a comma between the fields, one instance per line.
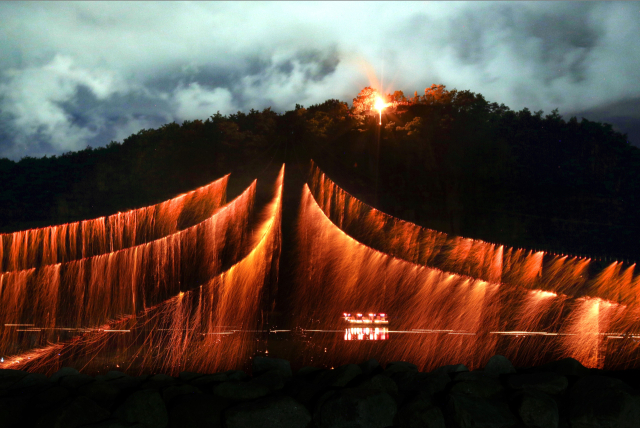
x=547, y=382
x=103, y=393
x=115, y=374
x=236, y=375
x=173, y=391
x=48, y=398
x=110, y=423
x=498, y=365
x=399, y=366
x=144, y=407
x=272, y=412
x=12, y=410
x=355, y=408
x=429, y=383
x=207, y=381
x=158, y=381
x=603, y=402
x=420, y=413
x=381, y=383
x=473, y=412
x=537, y=410
x=189, y=376
x=8, y=377
x=78, y=412
x=340, y=376
x=196, y=411
x=453, y=368
x=483, y=387
x=370, y=367
x=75, y=381
x=31, y=383
x=566, y=367
x=237, y=390
x=126, y=382
x=265, y=364
x=64, y=371
x=272, y=379
x=308, y=371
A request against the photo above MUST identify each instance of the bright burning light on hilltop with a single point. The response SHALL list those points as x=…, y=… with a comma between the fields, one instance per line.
x=380, y=105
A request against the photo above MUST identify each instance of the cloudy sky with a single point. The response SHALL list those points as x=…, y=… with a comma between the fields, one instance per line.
x=77, y=74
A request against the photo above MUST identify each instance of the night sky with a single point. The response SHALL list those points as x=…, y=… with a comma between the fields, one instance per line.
x=78, y=74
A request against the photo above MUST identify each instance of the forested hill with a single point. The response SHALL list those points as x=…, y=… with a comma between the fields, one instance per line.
x=449, y=160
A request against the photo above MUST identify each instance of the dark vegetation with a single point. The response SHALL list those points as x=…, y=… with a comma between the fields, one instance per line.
x=449, y=160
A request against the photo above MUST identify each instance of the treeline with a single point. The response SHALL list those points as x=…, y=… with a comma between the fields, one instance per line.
x=449, y=160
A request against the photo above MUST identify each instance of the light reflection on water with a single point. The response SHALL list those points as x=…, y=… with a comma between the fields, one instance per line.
x=349, y=343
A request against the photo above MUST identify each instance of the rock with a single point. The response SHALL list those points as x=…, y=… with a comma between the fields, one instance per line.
x=64, y=371
x=79, y=412
x=236, y=390
x=48, y=398
x=189, y=376
x=110, y=375
x=454, y=368
x=173, y=391
x=33, y=382
x=272, y=412
x=549, y=383
x=468, y=412
x=369, y=367
x=308, y=370
x=207, y=380
x=11, y=411
x=103, y=393
x=158, y=381
x=420, y=413
x=537, y=410
x=126, y=382
x=498, y=365
x=8, y=377
x=354, y=408
x=481, y=387
x=145, y=407
x=399, y=366
x=603, y=402
x=340, y=376
x=305, y=390
x=566, y=367
x=237, y=375
x=381, y=383
x=196, y=411
x=265, y=364
x=428, y=383
x=272, y=379
x=75, y=381
x=109, y=423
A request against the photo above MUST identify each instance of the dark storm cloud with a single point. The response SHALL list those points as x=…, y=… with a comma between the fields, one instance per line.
x=77, y=74
x=624, y=115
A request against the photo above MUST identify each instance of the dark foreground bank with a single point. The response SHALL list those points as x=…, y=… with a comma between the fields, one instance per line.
x=560, y=394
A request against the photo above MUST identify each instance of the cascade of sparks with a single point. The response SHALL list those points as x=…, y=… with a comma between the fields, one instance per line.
x=65, y=299
x=180, y=286
x=71, y=241
x=205, y=329
x=470, y=298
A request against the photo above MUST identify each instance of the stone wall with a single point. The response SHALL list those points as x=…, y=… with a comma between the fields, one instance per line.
x=560, y=394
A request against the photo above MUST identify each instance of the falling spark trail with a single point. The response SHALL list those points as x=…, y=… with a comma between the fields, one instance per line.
x=71, y=241
x=180, y=333
x=92, y=290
